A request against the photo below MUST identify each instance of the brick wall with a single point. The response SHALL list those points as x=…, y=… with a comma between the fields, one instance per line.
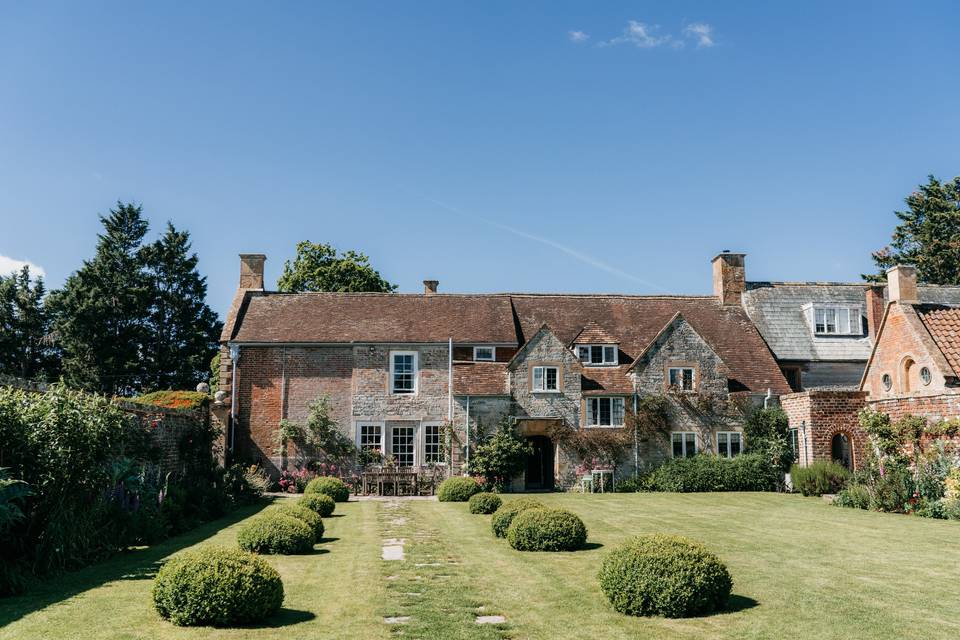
x=167, y=428
x=934, y=408
x=819, y=416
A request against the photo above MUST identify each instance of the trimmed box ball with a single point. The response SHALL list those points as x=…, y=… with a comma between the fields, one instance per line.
x=217, y=586
x=503, y=517
x=665, y=575
x=457, y=489
x=329, y=485
x=547, y=530
x=276, y=533
x=484, y=503
x=321, y=503
x=308, y=516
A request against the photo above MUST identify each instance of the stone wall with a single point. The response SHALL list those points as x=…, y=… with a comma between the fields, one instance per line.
x=170, y=429
x=546, y=349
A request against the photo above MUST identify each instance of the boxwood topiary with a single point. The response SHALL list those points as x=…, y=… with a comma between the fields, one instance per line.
x=310, y=517
x=547, y=530
x=503, y=516
x=484, y=503
x=329, y=485
x=276, y=533
x=319, y=502
x=217, y=586
x=664, y=575
x=457, y=489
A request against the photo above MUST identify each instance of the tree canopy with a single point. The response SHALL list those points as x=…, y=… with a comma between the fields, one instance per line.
x=928, y=235
x=319, y=267
x=25, y=349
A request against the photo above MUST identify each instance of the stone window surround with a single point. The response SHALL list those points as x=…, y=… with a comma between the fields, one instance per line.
x=416, y=372
x=555, y=365
x=739, y=435
x=583, y=412
x=681, y=364
x=684, y=434
x=493, y=354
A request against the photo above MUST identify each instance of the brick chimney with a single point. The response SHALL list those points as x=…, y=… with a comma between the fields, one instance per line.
x=874, y=309
x=430, y=287
x=251, y=270
x=729, y=277
x=902, y=283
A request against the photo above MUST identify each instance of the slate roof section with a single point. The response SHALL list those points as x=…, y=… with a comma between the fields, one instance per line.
x=777, y=310
x=375, y=317
x=943, y=323
x=593, y=333
x=480, y=379
x=636, y=321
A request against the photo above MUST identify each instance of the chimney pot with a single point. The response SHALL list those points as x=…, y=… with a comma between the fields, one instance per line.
x=902, y=283
x=430, y=287
x=251, y=270
x=729, y=277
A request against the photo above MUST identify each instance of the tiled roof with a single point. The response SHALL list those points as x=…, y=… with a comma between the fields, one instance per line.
x=943, y=323
x=593, y=333
x=480, y=379
x=636, y=321
x=376, y=317
x=600, y=380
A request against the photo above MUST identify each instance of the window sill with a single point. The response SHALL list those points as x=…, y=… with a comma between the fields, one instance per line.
x=603, y=426
x=546, y=391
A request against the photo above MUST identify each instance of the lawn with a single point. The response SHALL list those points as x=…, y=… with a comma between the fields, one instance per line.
x=801, y=569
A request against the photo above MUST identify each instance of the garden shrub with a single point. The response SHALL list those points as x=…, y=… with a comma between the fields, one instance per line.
x=705, y=472
x=457, y=489
x=308, y=516
x=503, y=517
x=276, y=533
x=547, y=530
x=819, y=478
x=664, y=575
x=893, y=489
x=484, y=503
x=217, y=586
x=331, y=486
x=854, y=495
x=319, y=502
x=633, y=484
x=174, y=399
x=500, y=456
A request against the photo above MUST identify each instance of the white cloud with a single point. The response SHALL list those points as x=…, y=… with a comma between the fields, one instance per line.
x=701, y=32
x=578, y=36
x=640, y=35
x=10, y=265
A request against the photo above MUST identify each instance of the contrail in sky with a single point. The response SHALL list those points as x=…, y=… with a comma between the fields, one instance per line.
x=573, y=253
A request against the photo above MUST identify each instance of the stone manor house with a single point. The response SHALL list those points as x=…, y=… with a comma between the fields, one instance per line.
x=396, y=368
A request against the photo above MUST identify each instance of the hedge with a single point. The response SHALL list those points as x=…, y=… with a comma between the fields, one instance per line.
x=276, y=533
x=319, y=502
x=706, y=472
x=503, y=517
x=547, y=530
x=457, y=489
x=484, y=503
x=217, y=586
x=819, y=478
x=664, y=575
x=331, y=486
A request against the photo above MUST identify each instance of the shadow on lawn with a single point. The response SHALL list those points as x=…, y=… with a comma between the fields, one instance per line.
x=737, y=603
x=141, y=563
x=283, y=618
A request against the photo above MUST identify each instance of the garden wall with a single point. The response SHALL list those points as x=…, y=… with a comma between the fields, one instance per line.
x=936, y=408
x=819, y=415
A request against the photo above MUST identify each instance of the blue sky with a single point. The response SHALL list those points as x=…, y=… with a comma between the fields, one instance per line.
x=495, y=146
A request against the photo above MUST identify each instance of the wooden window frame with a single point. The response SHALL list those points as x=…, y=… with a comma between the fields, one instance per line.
x=492, y=358
x=416, y=373
x=545, y=366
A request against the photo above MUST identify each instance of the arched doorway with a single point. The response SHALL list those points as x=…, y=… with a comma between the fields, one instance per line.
x=840, y=450
x=539, y=472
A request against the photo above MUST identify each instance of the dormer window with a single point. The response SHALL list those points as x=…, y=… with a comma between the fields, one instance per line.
x=597, y=354
x=484, y=354
x=835, y=321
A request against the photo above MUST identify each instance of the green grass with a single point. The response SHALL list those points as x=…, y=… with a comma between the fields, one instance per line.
x=801, y=568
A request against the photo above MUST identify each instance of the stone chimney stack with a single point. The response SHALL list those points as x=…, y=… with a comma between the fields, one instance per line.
x=430, y=287
x=729, y=277
x=251, y=270
x=902, y=283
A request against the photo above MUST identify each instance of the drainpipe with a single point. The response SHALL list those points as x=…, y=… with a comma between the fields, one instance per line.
x=636, y=437
x=234, y=357
x=767, y=398
x=450, y=398
x=283, y=399
x=468, y=432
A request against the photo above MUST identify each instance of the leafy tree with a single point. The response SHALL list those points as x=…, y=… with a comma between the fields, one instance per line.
x=25, y=349
x=318, y=267
x=320, y=436
x=767, y=432
x=101, y=310
x=928, y=235
x=501, y=456
x=182, y=331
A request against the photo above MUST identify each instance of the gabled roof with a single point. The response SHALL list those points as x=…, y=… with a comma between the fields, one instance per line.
x=943, y=323
x=593, y=333
x=521, y=352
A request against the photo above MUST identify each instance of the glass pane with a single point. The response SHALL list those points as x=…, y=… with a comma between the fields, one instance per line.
x=609, y=354
x=674, y=377
x=722, y=449
x=843, y=320
x=856, y=322
x=551, y=378
x=538, y=378
x=604, y=411
x=691, y=444
x=596, y=355
x=584, y=354
x=591, y=411
x=734, y=444
x=617, y=411
x=401, y=446
x=688, y=379
x=677, y=445
x=831, y=320
x=431, y=443
x=821, y=320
